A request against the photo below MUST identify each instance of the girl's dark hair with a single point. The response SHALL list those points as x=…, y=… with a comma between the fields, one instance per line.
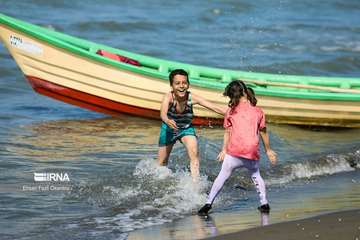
x=175, y=72
x=237, y=89
x=251, y=96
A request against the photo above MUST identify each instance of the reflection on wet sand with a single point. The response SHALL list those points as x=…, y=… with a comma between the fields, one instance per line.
x=265, y=219
x=199, y=227
x=69, y=139
x=345, y=197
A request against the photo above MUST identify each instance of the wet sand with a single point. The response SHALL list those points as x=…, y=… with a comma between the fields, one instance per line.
x=332, y=226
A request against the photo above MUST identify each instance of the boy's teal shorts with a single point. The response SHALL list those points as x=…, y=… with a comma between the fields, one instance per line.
x=169, y=136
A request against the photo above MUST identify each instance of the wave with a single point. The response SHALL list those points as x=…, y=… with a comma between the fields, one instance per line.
x=353, y=46
x=54, y=3
x=116, y=26
x=347, y=5
x=350, y=47
x=210, y=14
x=340, y=66
x=328, y=165
x=286, y=173
x=318, y=26
x=33, y=108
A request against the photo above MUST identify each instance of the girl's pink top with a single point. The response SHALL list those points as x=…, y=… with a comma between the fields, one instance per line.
x=244, y=123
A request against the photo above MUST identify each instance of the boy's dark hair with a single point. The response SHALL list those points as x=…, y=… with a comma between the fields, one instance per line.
x=178, y=72
x=235, y=90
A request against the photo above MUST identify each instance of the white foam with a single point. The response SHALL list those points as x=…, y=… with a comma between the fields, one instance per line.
x=151, y=168
x=351, y=46
x=333, y=164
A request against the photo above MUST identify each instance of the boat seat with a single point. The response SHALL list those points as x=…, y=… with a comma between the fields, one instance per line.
x=118, y=57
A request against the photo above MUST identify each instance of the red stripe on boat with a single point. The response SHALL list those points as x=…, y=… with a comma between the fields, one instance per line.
x=100, y=104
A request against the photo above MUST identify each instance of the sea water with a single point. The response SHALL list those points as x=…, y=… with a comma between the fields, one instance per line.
x=115, y=189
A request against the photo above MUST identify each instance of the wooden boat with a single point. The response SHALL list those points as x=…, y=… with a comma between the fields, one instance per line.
x=71, y=70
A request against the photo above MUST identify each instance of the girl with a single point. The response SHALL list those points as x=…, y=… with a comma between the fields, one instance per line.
x=243, y=122
x=176, y=113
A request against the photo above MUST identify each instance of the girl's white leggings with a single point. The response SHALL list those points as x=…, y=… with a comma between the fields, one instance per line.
x=229, y=164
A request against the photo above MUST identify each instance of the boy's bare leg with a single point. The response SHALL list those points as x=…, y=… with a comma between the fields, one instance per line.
x=190, y=143
x=163, y=154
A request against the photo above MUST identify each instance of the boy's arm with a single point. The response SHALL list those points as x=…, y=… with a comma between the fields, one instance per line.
x=266, y=141
x=164, y=109
x=209, y=105
x=221, y=155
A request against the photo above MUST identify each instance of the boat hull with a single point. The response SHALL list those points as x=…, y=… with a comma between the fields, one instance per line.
x=309, y=116
x=100, y=104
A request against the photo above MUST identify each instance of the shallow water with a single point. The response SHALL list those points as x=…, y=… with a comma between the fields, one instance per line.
x=117, y=191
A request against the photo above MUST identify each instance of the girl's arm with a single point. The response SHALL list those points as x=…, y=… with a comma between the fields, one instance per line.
x=164, y=109
x=209, y=105
x=221, y=155
x=266, y=141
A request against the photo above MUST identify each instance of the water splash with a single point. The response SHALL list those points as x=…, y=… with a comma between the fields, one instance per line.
x=154, y=195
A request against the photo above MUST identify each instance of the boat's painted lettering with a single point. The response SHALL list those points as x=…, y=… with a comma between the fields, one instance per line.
x=26, y=46
x=15, y=41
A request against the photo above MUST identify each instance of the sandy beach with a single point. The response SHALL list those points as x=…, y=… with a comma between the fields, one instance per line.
x=338, y=225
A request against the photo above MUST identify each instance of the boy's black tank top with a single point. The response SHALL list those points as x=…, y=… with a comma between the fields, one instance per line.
x=184, y=119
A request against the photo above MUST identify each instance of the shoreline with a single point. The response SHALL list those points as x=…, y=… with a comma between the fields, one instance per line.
x=331, y=226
